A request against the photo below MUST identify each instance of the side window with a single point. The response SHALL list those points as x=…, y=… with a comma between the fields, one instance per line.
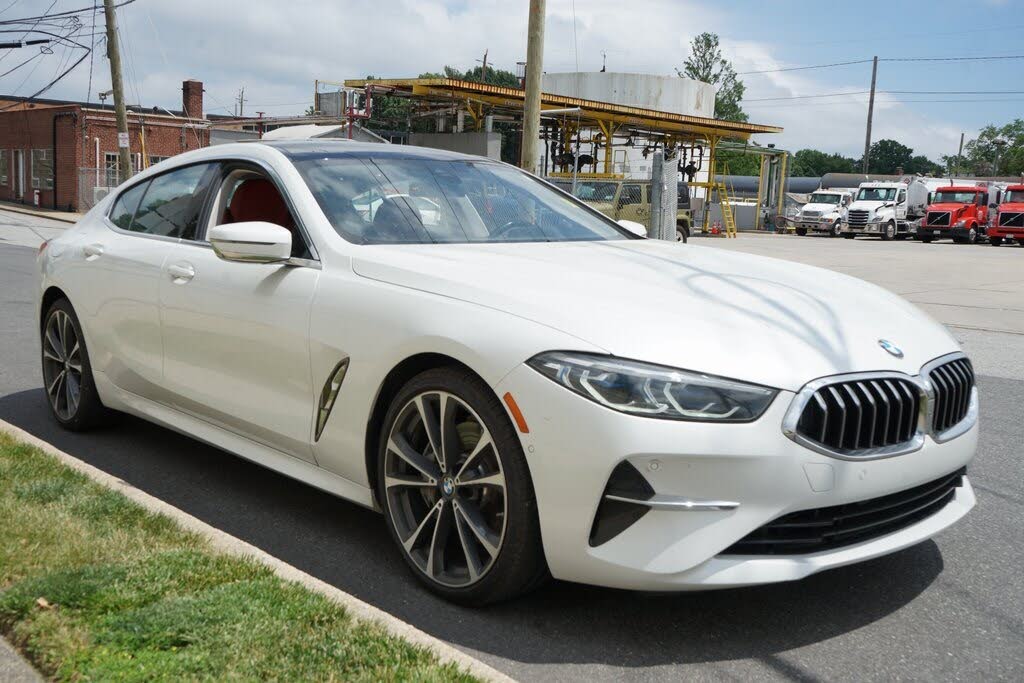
x=683, y=196
x=630, y=195
x=126, y=206
x=172, y=204
x=902, y=197
x=251, y=197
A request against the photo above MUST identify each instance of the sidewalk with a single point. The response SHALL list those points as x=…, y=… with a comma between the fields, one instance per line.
x=63, y=216
x=14, y=669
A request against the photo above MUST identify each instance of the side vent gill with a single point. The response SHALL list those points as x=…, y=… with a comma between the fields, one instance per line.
x=328, y=394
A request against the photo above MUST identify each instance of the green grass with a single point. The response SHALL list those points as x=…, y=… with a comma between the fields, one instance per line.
x=94, y=587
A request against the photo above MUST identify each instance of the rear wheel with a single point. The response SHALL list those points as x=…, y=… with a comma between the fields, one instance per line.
x=848, y=235
x=67, y=373
x=995, y=241
x=456, y=491
x=801, y=231
x=682, y=232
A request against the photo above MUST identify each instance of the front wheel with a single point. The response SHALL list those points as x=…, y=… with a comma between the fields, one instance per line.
x=834, y=230
x=67, y=373
x=801, y=231
x=995, y=241
x=456, y=490
x=889, y=232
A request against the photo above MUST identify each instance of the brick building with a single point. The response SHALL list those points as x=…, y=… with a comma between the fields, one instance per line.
x=67, y=151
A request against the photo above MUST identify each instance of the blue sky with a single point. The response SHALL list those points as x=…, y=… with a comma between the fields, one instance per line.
x=276, y=49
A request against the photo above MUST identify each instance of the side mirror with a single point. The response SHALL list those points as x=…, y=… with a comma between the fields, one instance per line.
x=251, y=242
x=634, y=227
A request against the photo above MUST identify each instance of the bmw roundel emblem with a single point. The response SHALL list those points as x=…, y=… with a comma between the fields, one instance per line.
x=891, y=348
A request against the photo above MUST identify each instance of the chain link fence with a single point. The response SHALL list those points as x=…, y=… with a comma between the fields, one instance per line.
x=94, y=184
x=664, y=196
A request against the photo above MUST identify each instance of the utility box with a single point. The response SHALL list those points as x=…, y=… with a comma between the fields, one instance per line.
x=479, y=143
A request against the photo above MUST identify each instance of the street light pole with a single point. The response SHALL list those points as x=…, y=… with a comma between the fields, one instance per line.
x=534, y=71
x=124, y=156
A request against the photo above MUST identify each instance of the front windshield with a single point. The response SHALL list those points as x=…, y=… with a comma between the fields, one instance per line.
x=876, y=194
x=1013, y=196
x=824, y=198
x=392, y=200
x=953, y=197
x=595, y=191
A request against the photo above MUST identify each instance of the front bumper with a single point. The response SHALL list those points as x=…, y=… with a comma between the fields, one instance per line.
x=865, y=229
x=573, y=445
x=817, y=226
x=935, y=233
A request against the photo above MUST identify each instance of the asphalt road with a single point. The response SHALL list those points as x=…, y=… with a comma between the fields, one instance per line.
x=951, y=608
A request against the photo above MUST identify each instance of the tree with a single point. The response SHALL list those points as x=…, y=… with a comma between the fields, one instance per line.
x=982, y=153
x=815, y=163
x=886, y=156
x=706, y=64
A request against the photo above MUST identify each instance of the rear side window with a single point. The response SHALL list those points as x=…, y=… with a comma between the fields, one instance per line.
x=630, y=195
x=173, y=202
x=126, y=205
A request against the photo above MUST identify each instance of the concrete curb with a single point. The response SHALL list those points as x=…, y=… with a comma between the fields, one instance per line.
x=13, y=668
x=53, y=216
x=230, y=545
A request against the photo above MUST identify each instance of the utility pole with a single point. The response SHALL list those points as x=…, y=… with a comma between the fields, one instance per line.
x=483, y=69
x=960, y=155
x=871, y=110
x=124, y=157
x=534, y=70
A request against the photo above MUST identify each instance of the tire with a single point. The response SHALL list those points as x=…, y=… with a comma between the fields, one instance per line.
x=682, y=232
x=890, y=231
x=926, y=240
x=959, y=240
x=802, y=232
x=972, y=236
x=995, y=241
x=496, y=524
x=834, y=230
x=66, y=371
x=848, y=235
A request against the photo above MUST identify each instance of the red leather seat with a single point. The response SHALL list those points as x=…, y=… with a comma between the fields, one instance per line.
x=257, y=199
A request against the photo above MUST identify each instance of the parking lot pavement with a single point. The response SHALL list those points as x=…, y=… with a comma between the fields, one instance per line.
x=977, y=286
x=951, y=608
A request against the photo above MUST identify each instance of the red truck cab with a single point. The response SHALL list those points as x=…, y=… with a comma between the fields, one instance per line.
x=1009, y=220
x=957, y=212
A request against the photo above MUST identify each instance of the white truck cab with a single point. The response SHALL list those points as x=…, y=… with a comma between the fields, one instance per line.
x=880, y=209
x=825, y=211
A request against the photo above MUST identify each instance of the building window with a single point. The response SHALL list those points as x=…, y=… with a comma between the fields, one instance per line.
x=3, y=167
x=111, y=166
x=156, y=159
x=42, y=169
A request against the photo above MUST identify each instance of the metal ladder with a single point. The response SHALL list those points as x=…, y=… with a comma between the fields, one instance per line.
x=728, y=217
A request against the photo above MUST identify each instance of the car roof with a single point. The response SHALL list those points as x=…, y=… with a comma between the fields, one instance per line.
x=311, y=149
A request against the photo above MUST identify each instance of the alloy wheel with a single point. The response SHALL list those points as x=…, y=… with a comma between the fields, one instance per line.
x=445, y=489
x=62, y=365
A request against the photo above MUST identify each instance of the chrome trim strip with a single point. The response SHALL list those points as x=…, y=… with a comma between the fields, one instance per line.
x=924, y=418
x=676, y=503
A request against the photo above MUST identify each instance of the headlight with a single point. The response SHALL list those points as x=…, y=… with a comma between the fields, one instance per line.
x=960, y=224
x=653, y=390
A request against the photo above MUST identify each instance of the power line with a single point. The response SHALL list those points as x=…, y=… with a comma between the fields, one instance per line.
x=883, y=59
x=65, y=13
x=806, y=97
x=888, y=92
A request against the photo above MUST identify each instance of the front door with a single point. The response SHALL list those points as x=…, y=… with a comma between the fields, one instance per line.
x=630, y=205
x=236, y=335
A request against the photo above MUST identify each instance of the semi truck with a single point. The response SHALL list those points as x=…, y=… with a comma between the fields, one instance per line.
x=958, y=212
x=1008, y=223
x=879, y=209
x=825, y=211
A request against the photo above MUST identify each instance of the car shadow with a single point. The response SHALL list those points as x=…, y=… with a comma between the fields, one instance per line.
x=348, y=546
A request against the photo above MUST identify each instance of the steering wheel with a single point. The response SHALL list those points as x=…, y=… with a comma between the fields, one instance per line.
x=513, y=226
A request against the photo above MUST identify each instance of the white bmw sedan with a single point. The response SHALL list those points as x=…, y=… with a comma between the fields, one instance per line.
x=523, y=387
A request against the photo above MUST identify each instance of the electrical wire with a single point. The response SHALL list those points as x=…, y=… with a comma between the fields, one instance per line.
x=804, y=68
x=883, y=59
x=65, y=13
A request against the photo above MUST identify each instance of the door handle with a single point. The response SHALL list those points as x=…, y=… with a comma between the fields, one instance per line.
x=92, y=251
x=181, y=272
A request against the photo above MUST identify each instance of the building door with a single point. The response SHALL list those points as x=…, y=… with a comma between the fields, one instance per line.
x=19, y=174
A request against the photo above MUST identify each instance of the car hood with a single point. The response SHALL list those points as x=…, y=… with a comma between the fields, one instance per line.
x=748, y=317
x=947, y=206
x=824, y=208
